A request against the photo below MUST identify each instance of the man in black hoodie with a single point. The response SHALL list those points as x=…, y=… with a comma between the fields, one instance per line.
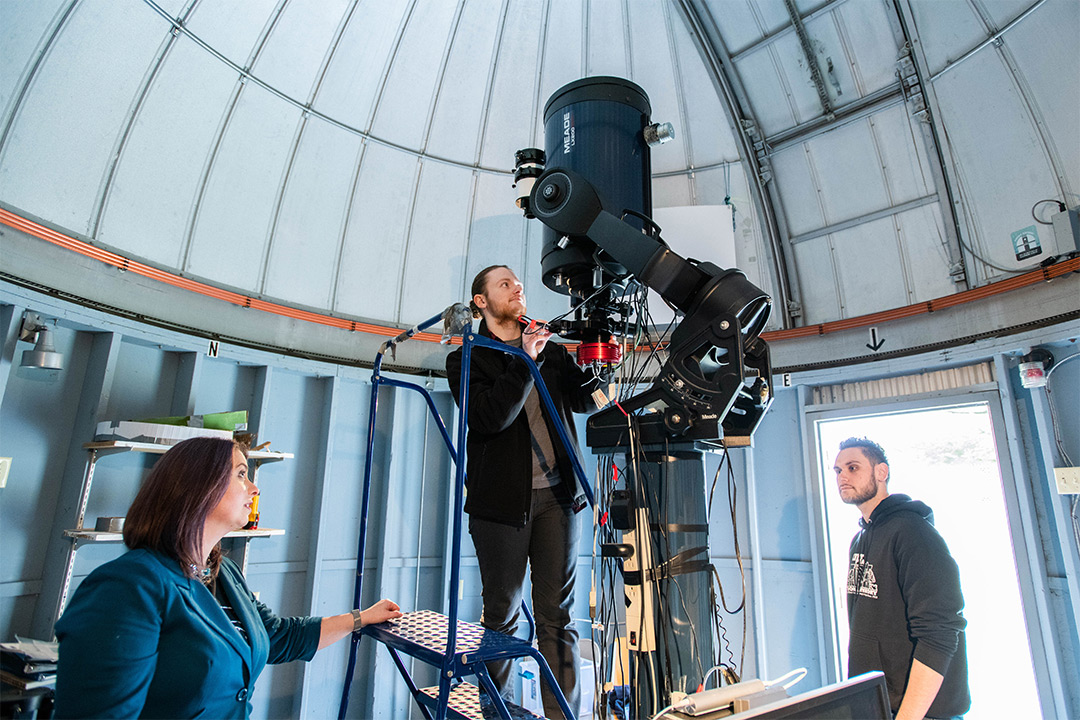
x=903, y=590
x=522, y=491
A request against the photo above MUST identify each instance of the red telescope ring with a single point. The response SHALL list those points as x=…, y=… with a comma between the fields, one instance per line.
x=604, y=352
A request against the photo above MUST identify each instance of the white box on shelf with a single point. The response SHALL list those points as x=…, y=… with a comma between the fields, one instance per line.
x=152, y=432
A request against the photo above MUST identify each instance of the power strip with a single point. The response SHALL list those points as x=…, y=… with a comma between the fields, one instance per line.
x=708, y=701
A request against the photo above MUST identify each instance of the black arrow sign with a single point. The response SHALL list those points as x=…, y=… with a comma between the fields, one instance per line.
x=874, y=343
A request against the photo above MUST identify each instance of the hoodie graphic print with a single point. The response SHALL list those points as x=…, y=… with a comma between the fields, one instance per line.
x=861, y=579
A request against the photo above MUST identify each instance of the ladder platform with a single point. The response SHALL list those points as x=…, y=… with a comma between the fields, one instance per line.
x=468, y=703
x=422, y=634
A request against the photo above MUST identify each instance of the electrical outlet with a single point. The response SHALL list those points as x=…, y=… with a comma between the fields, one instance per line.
x=1068, y=480
x=5, y=467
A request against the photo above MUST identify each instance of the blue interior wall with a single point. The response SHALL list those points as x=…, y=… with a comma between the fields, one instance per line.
x=1053, y=441
x=319, y=412
x=783, y=514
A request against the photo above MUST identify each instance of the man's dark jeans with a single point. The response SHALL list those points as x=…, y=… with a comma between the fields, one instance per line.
x=548, y=544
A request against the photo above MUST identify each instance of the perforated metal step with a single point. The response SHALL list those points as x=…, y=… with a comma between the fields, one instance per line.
x=466, y=701
x=422, y=634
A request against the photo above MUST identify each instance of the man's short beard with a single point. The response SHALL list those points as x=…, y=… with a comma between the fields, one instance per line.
x=505, y=314
x=861, y=497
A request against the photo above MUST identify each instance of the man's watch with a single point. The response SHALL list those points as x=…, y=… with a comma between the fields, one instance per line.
x=356, y=623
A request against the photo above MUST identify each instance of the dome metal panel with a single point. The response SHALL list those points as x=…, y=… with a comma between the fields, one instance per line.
x=235, y=30
x=848, y=171
x=542, y=303
x=661, y=75
x=306, y=240
x=497, y=232
x=236, y=209
x=795, y=78
x=24, y=28
x=562, y=53
x=67, y=127
x=820, y=288
x=462, y=107
x=946, y=30
x=1054, y=27
x=170, y=7
x=871, y=50
x=157, y=178
x=903, y=157
x=608, y=38
x=299, y=45
x=404, y=108
x=705, y=121
x=997, y=145
x=745, y=22
x=870, y=268
x=833, y=58
x=768, y=93
x=802, y=202
x=513, y=118
x=369, y=276
x=999, y=12
x=671, y=191
x=921, y=237
x=438, y=239
x=356, y=73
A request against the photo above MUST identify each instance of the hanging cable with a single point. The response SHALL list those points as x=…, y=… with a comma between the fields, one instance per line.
x=1074, y=504
x=1061, y=208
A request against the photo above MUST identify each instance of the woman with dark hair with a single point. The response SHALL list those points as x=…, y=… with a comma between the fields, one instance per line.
x=170, y=629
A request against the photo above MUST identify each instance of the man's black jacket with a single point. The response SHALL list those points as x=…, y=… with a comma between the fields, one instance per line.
x=499, y=449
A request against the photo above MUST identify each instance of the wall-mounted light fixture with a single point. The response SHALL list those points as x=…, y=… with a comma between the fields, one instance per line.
x=44, y=355
x=1033, y=367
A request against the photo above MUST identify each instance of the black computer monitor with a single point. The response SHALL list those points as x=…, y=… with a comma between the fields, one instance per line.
x=863, y=697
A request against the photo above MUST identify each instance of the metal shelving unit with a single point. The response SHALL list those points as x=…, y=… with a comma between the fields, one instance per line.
x=80, y=534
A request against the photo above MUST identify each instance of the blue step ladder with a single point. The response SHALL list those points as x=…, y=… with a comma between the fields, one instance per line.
x=458, y=649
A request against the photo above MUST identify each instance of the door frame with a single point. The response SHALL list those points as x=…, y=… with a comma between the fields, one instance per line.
x=1020, y=512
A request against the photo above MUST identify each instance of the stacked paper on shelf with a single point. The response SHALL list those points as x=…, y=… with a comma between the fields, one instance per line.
x=28, y=664
x=153, y=432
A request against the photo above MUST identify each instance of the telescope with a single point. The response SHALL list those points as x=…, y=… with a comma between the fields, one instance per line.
x=591, y=188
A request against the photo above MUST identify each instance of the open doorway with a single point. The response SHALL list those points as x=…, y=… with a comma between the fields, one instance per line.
x=946, y=456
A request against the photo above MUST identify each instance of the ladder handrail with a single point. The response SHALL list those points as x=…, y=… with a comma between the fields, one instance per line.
x=469, y=339
x=472, y=338
x=373, y=406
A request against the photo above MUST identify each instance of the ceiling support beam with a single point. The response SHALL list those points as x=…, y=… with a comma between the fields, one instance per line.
x=868, y=217
x=811, y=59
x=923, y=107
x=753, y=47
x=867, y=105
x=753, y=149
x=994, y=39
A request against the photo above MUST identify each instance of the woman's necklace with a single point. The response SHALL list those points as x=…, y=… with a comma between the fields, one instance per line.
x=203, y=574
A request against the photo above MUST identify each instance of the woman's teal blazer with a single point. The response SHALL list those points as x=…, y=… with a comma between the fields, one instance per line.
x=140, y=639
